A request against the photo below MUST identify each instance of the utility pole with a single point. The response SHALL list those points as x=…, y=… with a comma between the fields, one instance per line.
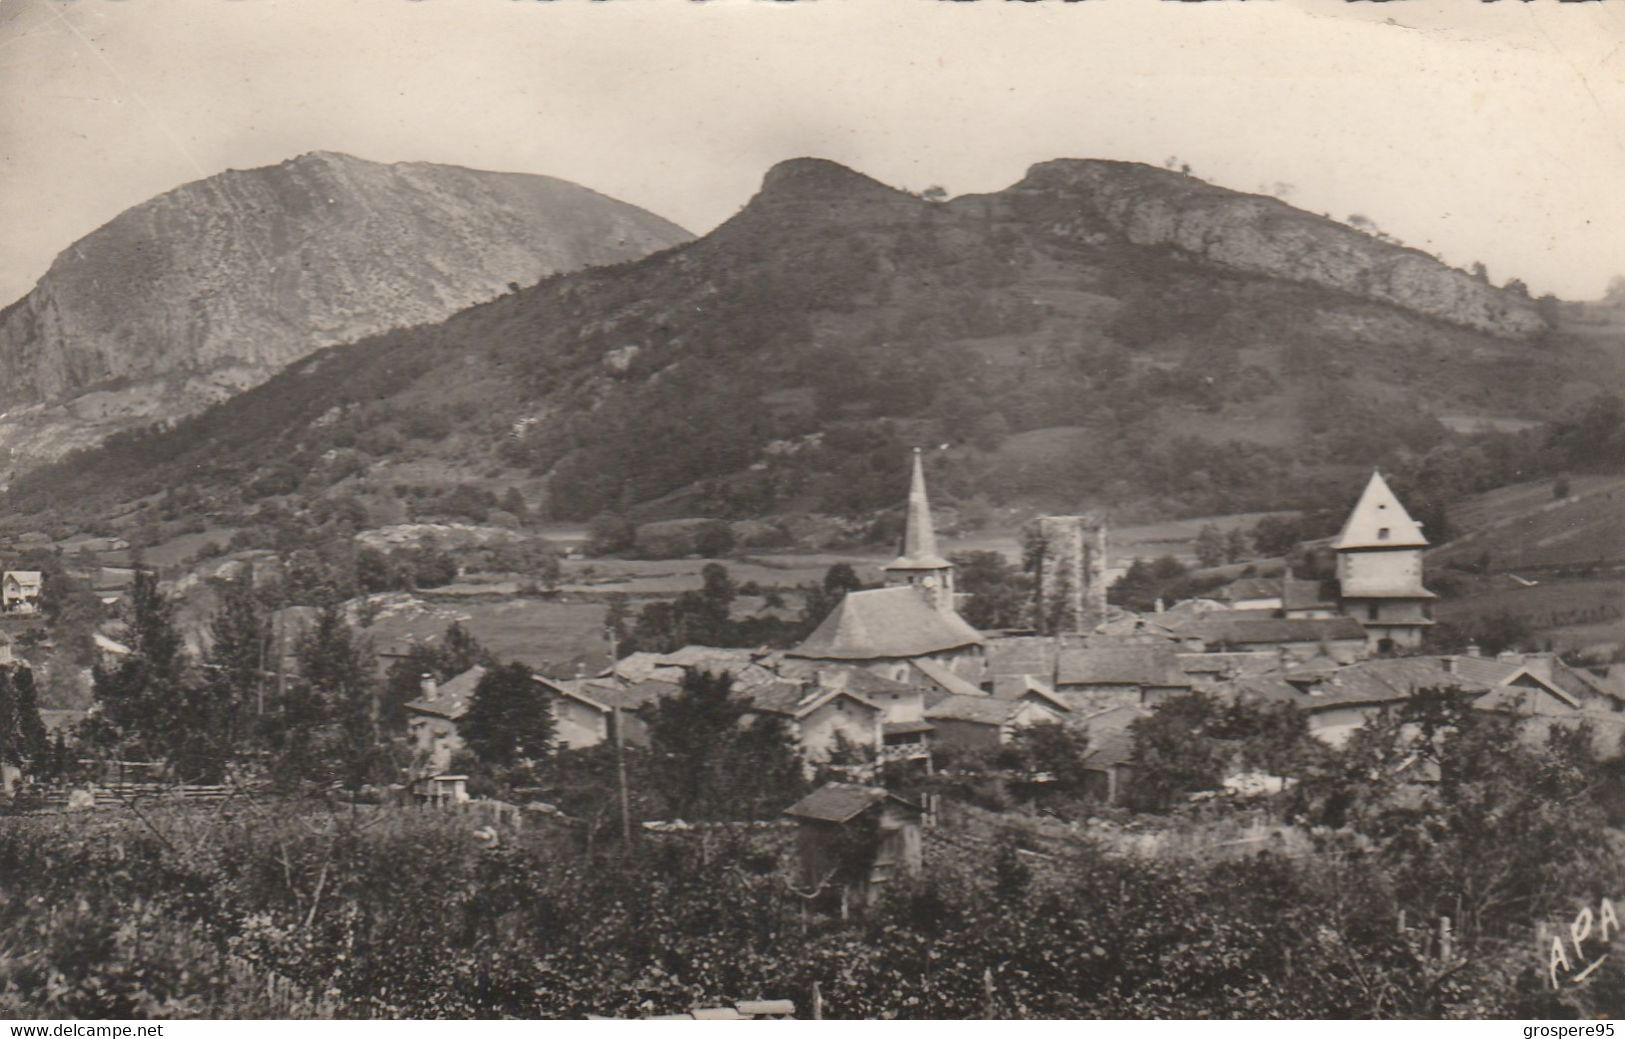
x=620, y=779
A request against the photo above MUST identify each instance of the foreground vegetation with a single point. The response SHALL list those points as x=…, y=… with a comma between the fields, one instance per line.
x=339, y=909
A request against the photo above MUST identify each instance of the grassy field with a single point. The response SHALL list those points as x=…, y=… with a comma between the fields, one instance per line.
x=1587, y=615
x=1525, y=528
x=542, y=633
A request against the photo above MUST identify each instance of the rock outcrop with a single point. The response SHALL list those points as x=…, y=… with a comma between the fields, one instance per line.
x=214, y=286
x=1261, y=235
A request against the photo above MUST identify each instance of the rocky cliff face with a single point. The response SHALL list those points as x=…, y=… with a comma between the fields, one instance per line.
x=1260, y=235
x=214, y=286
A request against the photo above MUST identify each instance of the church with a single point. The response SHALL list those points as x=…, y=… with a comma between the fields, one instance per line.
x=914, y=617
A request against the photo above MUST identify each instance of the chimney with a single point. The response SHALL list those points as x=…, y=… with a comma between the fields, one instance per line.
x=1160, y=606
x=1473, y=650
x=429, y=687
x=1449, y=664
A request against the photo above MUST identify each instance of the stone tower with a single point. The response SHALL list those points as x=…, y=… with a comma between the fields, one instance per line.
x=1379, y=570
x=1071, y=593
x=919, y=565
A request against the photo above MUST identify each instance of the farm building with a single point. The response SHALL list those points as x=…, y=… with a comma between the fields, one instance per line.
x=851, y=840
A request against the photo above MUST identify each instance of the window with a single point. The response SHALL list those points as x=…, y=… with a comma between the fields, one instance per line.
x=1382, y=533
x=1370, y=611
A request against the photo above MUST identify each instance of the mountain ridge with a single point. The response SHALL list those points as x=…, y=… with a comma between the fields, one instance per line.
x=214, y=285
x=786, y=360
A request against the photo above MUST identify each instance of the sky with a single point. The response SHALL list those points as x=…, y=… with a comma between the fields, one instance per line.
x=1490, y=132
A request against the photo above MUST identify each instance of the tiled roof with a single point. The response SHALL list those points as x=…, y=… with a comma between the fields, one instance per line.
x=1232, y=628
x=1308, y=595
x=886, y=623
x=1246, y=662
x=609, y=694
x=452, y=698
x=1250, y=588
x=1155, y=666
x=987, y=710
x=1020, y=655
x=1110, y=740
x=797, y=701
x=26, y=578
x=1486, y=671
x=945, y=679
x=1385, y=681
x=905, y=728
x=1379, y=510
x=1267, y=689
x=840, y=802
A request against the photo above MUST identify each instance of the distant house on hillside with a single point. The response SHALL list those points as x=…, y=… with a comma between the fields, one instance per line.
x=20, y=592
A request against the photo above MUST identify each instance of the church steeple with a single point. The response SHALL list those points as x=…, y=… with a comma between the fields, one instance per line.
x=920, y=565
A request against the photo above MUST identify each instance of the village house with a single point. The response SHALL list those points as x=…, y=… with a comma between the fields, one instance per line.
x=1251, y=593
x=432, y=718
x=980, y=722
x=20, y=592
x=1104, y=673
x=585, y=711
x=822, y=718
x=1342, y=639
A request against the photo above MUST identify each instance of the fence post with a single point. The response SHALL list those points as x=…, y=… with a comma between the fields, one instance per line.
x=990, y=1010
x=1445, y=948
x=817, y=1003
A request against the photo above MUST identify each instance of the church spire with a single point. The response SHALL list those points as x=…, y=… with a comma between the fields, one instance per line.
x=919, y=535
x=920, y=565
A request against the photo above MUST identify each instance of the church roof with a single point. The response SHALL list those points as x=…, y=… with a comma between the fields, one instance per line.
x=919, y=536
x=1379, y=521
x=886, y=623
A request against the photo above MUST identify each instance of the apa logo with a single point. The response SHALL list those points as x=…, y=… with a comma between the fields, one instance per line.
x=1588, y=937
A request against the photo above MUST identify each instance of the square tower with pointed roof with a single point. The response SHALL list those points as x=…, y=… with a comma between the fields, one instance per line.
x=1379, y=570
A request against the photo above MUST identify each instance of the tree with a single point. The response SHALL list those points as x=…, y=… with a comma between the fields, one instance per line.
x=23, y=740
x=1209, y=545
x=1503, y=836
x=337, y=698
x=999, y=593
x=708, y=763
x=146, y=697
x=509, y=722
x=609, y=533
x=240, y=653
x=1236, y=547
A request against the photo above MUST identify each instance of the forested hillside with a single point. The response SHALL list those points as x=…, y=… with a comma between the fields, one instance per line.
x=1100, y=334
